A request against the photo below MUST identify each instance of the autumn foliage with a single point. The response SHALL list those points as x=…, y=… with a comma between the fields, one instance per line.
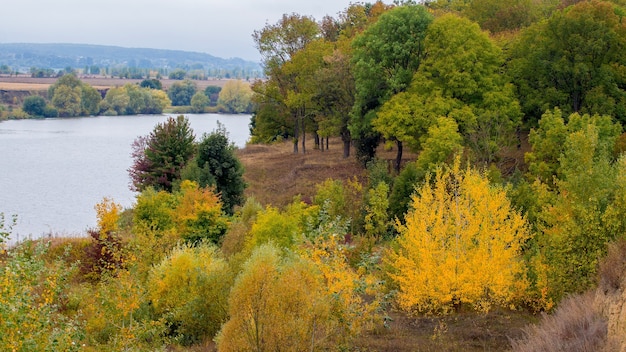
x=461, y=245
x=475, y=217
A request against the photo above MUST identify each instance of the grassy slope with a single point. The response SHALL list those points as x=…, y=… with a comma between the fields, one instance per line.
x=275, y=175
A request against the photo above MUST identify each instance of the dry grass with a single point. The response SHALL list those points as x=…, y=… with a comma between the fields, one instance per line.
x=613, y=267
x=463, y=332
x=23, y=86
x=576, y=325
x=25, y=83
x=275, y=175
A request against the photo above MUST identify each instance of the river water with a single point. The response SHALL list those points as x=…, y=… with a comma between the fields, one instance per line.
x=53, y=171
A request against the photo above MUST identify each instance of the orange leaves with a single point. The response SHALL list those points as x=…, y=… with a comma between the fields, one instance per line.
x=198, y=213
x=461, y=244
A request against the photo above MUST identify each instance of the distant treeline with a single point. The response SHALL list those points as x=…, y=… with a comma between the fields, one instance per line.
x=71, y=97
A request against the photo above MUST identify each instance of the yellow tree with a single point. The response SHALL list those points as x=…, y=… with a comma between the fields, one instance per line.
x=276, y=304
x=461, y=245
x=235, y=97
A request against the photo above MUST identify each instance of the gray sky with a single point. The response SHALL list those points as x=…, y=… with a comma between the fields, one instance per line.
x=221, y=28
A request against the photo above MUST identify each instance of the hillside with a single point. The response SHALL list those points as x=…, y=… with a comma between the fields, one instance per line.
x=23, y=56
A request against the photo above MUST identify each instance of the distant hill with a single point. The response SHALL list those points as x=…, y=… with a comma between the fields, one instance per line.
x=23, y=56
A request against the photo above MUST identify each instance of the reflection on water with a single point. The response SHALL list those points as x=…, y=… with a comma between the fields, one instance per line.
x=53, y=171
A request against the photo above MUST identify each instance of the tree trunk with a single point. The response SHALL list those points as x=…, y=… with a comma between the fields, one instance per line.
x=317, y=141
x=322, y=144
x=326, y=143
x=303, y=137
x=296, y=133
x=398, y=156
x=345, y=138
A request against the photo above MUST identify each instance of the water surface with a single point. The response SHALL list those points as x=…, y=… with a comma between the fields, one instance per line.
x=53, y=171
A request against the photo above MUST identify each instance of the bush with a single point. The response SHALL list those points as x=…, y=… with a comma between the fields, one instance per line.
x=276, y=304
x=190, y=289
x=31, y=294
x=34, y=105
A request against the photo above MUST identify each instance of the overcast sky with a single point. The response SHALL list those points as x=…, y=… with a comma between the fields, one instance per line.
x=221, y=28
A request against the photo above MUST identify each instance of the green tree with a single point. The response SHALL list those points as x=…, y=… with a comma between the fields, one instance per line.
x=573, y=61
x=549, y=142
x=278, y=44
x=159, y=157
x=385, y=57
x=216, y=164
x=178, y=74
x=34, y=105
x=71, y=97
x=304, y=65
x=377, y=222
x=199, y=102
x=271, y=120
x=90, y=100
x=180, y=93
x=334, y=95
x=212, y=92
x=282, y=229
x=577, y=192
x=67, y=101
x=451, y=83
x=137, y=99
x=115, y=101
x=69, y=80
x=152, y=83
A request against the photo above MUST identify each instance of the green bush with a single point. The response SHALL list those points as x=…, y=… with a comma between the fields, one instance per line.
x=190, y=289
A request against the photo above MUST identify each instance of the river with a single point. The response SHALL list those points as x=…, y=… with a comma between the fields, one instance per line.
x=53, y=171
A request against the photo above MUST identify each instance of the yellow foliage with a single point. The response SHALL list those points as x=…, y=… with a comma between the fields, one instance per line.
x=460, y=245
x=276, y=305
x=190, y=287
x=163, y=219
x=198, y=213
x=347, y=287
x=108, y=214
x=108, y=312
x=282, y=228
x=31, y=293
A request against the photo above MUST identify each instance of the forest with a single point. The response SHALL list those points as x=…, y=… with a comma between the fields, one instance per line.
x=480, y=173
